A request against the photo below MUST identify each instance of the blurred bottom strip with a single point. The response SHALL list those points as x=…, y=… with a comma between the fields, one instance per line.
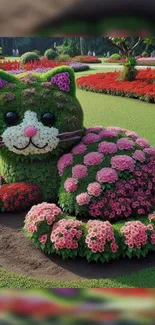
x=77, y=306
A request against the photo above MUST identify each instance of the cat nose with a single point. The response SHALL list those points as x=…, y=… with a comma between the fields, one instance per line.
x=30, y=131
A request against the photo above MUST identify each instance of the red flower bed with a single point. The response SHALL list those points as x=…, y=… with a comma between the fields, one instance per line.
x=142, y=88
x=87, y=59
x=17, y=65
x=19, y=196
x=115, y=61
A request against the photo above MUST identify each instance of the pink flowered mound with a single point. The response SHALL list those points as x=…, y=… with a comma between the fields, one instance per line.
x=109, y=175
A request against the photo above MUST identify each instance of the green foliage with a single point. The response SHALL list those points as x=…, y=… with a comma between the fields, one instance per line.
x=19, y=168
x=29, y=56
x=0, y=50
x=115, y=56
x=69, y=47
x=64, y=57
x=37, y=52
x=50, y=54
x=144, y=54
x=129, y=72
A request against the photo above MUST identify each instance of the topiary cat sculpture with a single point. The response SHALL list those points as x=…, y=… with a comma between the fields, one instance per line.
x=97, y=172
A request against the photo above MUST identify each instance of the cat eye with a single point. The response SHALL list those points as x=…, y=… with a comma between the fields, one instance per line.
x=11, y=118
x=48, y=119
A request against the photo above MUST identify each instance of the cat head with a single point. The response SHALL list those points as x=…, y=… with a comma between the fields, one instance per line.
x=39, y=114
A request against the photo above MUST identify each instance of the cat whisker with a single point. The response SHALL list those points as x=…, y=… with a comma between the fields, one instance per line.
x=71, y=139
x=66, y=134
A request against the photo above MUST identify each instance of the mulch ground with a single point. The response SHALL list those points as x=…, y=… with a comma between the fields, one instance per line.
x=18, y=255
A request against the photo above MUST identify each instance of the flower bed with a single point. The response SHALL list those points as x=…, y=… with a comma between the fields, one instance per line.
x=142, y=88
x=87, y=59
x=44, y=65
x=53, y=232
x=115, y=61
x=146, y=61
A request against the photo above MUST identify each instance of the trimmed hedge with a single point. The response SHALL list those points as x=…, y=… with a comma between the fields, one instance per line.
x=50, y=54
x=29, y=56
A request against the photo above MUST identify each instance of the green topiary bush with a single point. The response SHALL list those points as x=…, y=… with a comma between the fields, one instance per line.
x=50, y=54
x=29, y=56
x=115, y=56
x=145, y=54
x=64, y=57
x=37, y=52
x=129, y=72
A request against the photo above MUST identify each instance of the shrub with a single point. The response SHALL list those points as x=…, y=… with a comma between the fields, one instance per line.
x=129, y=72
x=145, y=54
x=115, y=56
x=37, y=52
x=50, y=54
x=64, y=57
x=29, y=57
x=18, y=196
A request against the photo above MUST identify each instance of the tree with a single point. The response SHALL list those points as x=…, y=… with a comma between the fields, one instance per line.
x=126, y=45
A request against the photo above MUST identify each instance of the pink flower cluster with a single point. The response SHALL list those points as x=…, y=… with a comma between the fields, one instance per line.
x=142, y=142
x=131, y=134
x=65, y=161
x=132, y=197
x=139, y=155
x=90, y=138
x=125, y=144
x=43, y=239
x=99, y=234
x=150, y=151
x=66, y=234
x=95, y=129
x=107, y=175
x=40, y=213
x=135, y=233
x=107, y=147
x=79, y=149
x=93, y=158
x=83, y=199
x=111, y=133
x=62, y=80
x=94, y=189
x=122, y=162
x=70, y=185
x=79, y=171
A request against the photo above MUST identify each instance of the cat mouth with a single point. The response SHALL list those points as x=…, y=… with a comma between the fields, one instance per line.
x=30, y=142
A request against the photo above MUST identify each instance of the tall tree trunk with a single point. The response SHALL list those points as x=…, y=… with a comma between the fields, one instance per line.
x=82, y=45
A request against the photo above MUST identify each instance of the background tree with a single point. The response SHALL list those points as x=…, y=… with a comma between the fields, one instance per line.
x=126, y=45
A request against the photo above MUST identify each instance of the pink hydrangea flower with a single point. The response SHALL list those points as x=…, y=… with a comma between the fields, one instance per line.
x=90, y=138
x=39, y=213
x=93, y=158
x=107, y=175
x=139, y=155
x=65, y=161
x=135, y=233
x=125, y=144
x=113, y=128
x=70, y=185
x=66, y=234
x=108, y=133
x=132, y=135
x=107, y=147
x=79, y=171
x=122, y=162
x=83, y=199
x=142, y=142
x=96, y=129
x=94, y=189
x=150, y=151
x=99, y=234
x=79, y=149
x=43, y=239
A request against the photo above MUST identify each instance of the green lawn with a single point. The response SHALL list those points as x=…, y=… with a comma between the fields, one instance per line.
x=140, y=279
x=103, y=110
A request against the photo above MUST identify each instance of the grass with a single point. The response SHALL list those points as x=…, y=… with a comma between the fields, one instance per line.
x=140, y=279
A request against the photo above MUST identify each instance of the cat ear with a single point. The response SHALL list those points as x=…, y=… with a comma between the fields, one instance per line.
x=6, y=77
x=63, y=77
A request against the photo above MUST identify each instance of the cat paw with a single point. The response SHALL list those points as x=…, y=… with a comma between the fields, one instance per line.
x=19, y=196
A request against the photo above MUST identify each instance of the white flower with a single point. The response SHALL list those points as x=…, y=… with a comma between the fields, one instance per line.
x=45, y=140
